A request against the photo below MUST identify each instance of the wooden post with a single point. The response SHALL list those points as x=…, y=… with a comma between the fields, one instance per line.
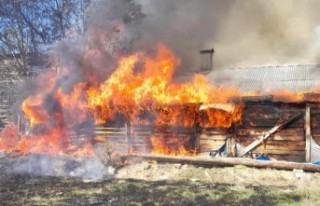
x=234, y=146
x=128, y=135
x=231, y=143
x=308, y=133
x=196, y=132
x=231, y=146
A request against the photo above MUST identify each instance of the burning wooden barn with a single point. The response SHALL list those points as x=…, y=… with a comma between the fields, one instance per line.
x=283, y=126
x=139, y=111
x=279, y=130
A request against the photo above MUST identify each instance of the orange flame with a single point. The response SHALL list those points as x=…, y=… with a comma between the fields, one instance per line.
x=129, y=92
x=170, y=146
x=142, y=89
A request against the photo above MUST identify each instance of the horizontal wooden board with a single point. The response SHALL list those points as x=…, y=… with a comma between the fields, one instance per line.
x=145, y=138
x=278, y=145
x=169, y=131
x=110, y=128
x=268, y=114
x=214, y=131
x=261, y=131
x=274, y=137
x=112, y=138
x=173, y=134
x=142, y=136
x=315, y=106
x=207, y=145
x=315, y=131
x=213, y=137
x=110, y=135
x=271, y=123
x=277, y=152
x=316, y=138
x=142, y=132
x=286, y=134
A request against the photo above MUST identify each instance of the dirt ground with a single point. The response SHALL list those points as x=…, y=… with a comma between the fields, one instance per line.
x=151, y=183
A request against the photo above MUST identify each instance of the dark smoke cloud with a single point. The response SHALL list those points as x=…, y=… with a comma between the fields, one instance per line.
x=186, y=26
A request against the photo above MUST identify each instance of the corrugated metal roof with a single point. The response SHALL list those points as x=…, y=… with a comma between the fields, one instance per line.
x=296, y=78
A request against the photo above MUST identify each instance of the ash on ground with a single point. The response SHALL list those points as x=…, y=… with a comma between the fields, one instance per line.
x=59, y=166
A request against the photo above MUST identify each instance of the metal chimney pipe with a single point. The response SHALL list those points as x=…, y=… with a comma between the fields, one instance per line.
x=210, y=52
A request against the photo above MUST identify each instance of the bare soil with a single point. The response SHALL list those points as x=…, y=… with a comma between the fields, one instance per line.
x=151, y=183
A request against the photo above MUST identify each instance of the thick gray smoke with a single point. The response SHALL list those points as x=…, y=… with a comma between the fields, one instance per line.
x=243, y=32
x=186, y=26
x=257, y=32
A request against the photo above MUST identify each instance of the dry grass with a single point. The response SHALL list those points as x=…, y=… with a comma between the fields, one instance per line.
x=166, y=184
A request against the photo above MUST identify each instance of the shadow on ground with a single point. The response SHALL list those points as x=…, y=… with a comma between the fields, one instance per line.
x=32, y=190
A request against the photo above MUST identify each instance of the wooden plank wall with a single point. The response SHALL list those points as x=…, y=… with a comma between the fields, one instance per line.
x=315, y=121
x=289, y=143
x=137, y=138
x=212, y=138
x=259, y=117
x=140, y=138
x=114, y=136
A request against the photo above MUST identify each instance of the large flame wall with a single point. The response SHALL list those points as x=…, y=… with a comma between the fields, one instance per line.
x=141, y=84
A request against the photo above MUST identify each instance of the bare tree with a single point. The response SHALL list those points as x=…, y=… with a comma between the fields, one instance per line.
x=34, y=26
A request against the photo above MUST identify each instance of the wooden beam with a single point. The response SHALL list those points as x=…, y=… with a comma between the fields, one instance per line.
x=308, y=133
x=225, y=107
x=284, y=165
x=261, y=150
x=257, y=98
x=267, y=135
